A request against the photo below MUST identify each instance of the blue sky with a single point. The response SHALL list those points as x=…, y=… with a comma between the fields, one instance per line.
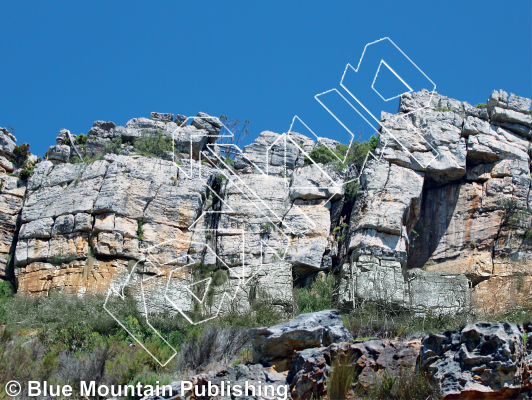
x=66, y=64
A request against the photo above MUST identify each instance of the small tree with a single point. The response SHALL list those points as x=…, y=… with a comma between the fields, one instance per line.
x=21, y=153
x=238, y=132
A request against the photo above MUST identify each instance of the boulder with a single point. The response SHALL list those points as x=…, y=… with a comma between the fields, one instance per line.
x=164, y=117
x=59, y=153
x=311, y=367
x=208, y=123
x=276, y=345
x=180, y=119
x=7, y=143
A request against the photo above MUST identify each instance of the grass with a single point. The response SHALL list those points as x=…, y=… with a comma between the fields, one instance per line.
x=318, y=297
x=343, y=373
x=382, y=321
x=406, y=385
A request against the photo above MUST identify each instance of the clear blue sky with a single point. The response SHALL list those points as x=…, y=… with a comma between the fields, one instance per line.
x=65, y=64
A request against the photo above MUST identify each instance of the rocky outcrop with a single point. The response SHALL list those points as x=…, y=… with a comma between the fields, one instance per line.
x=275, y=345
x=442, y=217
x=480, y=361
x=440, y=223
x=312, y=367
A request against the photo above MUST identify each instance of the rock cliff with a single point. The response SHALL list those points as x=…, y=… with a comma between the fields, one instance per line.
x=441, y=220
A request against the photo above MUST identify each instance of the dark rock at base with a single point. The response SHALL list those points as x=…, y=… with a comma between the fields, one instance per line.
x=276, y=345
x=480, y=361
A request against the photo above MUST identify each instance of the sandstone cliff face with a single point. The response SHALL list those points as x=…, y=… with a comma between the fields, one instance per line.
x=445, y=208
x=440, y=220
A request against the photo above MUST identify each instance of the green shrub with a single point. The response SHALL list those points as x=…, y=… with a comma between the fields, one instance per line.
x=21, y=153
x=351, y=191
x=266, y=228
x=81, y=139
x=76, y=336
x=318, y=297
x=155, y=146
x=113, y=147
x=27, y=170
x=481, y=105
x=140, y=230
x=322, y=155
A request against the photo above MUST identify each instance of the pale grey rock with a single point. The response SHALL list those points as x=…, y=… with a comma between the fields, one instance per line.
x=479, y=172
x=164, y=117
x=307, y=252
x=413, y=101
x=103, y=130
x=7, y=143
x=64, y=173
x=10, y=204
x=270, y=155
x=75, y=198
x=175, y=206
x=94, y=170
x=489, y=148
x=326, y=142
x=131, y=183
x=108, y=244
x=253, y=201
x=6, y=164
x=303, y=141
x=471, y=111
x=13, y=186
x=59, y=153
x=375, y=280
x=40, y=172
x=41, y=228
x=269, y=283
x=517, y=103
x=427, y=141
x=140, y=127
x=37, y=201
x=8, y=134
x=127, y=227
x=83, y=222
x=510, y=116
x=497, y=99
x=316, y=182
x=391, y=195
x=63, y=224
x=305, y=331
x=190, y=136
x=516, y=128
x=437, y=292
x=208, y=123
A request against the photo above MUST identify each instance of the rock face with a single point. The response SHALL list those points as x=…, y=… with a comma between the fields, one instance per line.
x=442, y=217
x=441, y=221
x=276, y=345
x=480, y=361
